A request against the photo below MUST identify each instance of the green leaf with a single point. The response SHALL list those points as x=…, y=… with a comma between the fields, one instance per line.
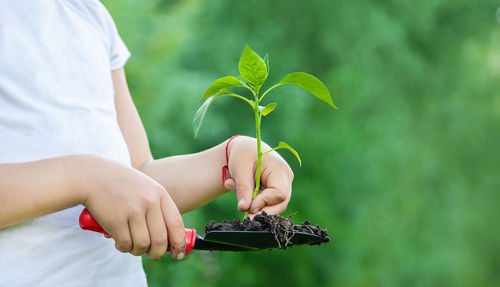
x=285, y=145
x=309, y=83
x=266, y=60
x=252, y=68
x=200, y=114
x=222, y=83
x=268, y=109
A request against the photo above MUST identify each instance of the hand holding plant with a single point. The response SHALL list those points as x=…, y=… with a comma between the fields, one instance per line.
x=276, y=178
x=253, y=72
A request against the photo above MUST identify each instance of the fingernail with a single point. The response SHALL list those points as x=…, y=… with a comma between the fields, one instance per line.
x=180, y=256
x=241, y=202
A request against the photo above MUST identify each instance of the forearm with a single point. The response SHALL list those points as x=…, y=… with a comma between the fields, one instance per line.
x=192, y=180
x=32, y=189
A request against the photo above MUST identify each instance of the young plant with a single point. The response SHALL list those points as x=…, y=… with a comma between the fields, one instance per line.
x=253, y=73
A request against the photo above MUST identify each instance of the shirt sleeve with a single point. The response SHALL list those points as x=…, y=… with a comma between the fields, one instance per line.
x=118, y=52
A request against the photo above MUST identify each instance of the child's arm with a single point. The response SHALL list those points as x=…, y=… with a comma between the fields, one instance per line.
x=194, y=179
x=32, y=189
x=142, y=209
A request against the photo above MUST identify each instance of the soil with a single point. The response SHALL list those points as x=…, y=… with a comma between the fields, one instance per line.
x=282, y=227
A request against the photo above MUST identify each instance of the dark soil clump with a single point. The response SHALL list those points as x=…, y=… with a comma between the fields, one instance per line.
x=282, y=228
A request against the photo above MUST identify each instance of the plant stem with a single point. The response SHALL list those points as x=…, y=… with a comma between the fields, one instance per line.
x=268, y=90
x=258, y=117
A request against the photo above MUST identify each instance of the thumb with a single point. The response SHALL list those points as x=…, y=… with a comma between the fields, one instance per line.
x=230, y=184
x=245, y=184
x=244, y=193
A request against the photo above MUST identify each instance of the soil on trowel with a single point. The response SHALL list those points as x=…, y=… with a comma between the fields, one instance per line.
x=282, y=227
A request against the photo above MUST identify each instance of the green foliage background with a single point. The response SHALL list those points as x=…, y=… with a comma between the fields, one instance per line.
x=405, y=175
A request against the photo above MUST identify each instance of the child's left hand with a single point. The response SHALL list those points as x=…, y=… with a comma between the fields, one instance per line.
x=276, y=177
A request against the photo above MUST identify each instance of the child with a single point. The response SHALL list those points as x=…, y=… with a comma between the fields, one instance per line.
x=70, y=137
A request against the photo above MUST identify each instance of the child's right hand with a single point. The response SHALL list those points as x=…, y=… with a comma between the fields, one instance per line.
x=135, y=210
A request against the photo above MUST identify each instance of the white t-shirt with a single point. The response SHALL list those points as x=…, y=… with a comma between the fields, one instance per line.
x=57, y=98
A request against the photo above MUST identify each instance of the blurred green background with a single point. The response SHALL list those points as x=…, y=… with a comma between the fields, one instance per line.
x=405, y=174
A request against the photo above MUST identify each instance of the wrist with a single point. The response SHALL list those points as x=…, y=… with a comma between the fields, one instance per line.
x=79, y=177
x=227, y=151
x=230, y=143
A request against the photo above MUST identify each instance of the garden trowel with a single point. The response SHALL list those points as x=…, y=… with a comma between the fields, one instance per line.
x=223, y=240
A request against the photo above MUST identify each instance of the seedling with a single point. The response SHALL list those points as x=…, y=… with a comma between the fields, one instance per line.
x=253, y=73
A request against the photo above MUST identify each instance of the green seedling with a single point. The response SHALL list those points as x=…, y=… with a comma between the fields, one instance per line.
x=253, y=73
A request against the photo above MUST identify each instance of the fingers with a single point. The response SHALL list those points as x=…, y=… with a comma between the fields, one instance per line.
x=274, y=209
x=269, y=197
x=140, y=234
x=275, y=197
x=230, y=184
x=121, y=235
x=244, y=181
x=175, y=227
x=153, y=232
x=157, y=233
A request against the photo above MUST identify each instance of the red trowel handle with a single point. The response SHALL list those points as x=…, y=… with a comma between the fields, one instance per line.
x=87, y=222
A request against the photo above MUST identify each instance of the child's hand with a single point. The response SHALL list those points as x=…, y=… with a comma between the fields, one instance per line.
x=134, y=209
x=276, y=177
